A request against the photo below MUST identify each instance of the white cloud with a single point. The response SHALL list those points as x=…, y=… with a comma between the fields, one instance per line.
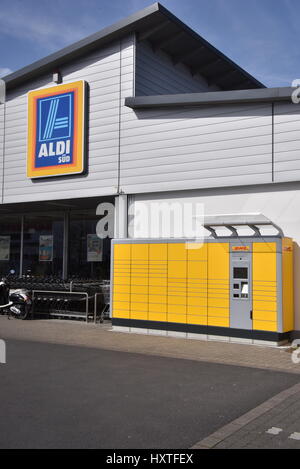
x=5, y=71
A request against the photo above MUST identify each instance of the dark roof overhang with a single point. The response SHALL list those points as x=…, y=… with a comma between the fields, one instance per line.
x=164, y=31
x=211, y=98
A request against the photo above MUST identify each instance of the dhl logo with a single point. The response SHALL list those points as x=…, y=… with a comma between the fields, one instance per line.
x=241, y=248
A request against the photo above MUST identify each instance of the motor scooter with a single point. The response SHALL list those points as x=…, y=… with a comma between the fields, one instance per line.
x=14, y=302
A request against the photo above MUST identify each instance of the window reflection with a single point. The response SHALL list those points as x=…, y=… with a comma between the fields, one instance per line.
x=89, y=256
x=43, y=245
x=10, y=244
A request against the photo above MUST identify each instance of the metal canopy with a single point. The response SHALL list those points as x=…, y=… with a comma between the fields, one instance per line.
x=211, y=98
x=164, y=31
x=255, y=221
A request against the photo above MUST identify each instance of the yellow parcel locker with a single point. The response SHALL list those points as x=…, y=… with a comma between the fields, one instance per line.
x=235, y=286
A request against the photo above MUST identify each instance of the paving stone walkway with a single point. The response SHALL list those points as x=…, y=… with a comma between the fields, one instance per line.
x=100, y=336
x=275, y=424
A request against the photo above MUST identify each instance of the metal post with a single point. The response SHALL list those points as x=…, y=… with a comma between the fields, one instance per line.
x=87, y=308
x=21, y=246
x=121, y=219
x=66, y=246
x=95, y=308
x=32, y=299
x=2, y=130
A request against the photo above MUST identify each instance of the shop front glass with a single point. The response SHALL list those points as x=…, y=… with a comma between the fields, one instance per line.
x=43, y=245
x=89, y=256
x=10, y=244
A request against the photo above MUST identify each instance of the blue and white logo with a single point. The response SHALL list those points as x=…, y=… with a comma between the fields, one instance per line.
x=55, y=117
x=55, y=130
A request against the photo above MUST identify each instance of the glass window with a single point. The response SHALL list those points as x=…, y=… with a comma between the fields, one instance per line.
x=43, y=244
x=89, y=256
x=10, y=244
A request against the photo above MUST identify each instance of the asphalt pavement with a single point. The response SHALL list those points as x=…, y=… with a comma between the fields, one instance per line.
x=63, y=396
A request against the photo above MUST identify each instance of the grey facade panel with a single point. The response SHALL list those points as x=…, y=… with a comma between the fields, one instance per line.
x=2, y=115
x=157, y=75
x=109, y=74
x=197, y=148
x=155, y=149
x=286, y=142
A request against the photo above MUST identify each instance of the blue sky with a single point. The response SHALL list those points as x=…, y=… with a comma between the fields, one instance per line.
x=260, y=35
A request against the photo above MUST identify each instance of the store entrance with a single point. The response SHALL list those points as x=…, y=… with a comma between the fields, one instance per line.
x=54, y=247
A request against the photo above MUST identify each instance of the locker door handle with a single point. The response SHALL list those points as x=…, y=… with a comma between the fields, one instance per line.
x=251, y=314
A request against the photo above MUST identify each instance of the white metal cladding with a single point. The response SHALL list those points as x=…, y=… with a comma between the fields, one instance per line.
x=286, y=142
x=109, y=73
x=2, y=113
x=156, y=74
x=188, y=148
x=157, y=149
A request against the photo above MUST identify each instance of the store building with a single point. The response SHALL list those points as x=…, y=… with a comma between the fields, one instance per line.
x=143, y=111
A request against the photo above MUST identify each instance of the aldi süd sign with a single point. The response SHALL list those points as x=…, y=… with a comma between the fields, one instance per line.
x=56, y=130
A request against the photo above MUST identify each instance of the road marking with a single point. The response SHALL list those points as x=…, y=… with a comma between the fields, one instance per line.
x=274, y=431
x=2, y=351
x=295, y=436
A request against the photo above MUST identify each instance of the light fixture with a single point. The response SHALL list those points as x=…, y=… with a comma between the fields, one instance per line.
x=57, y=77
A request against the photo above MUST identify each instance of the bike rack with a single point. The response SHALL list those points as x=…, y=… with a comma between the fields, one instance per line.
x=51, y=292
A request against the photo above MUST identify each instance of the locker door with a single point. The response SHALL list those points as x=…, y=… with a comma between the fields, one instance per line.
x=265, y=288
